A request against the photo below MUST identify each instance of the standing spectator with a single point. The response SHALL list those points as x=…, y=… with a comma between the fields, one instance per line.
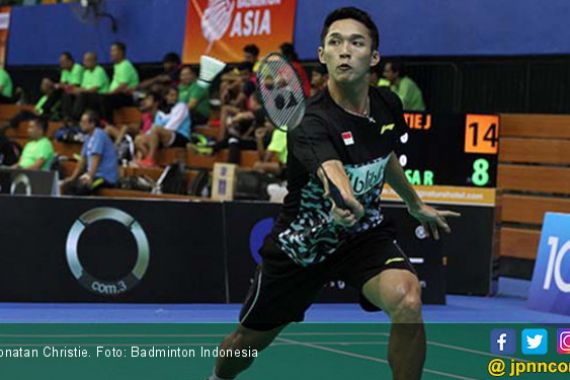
x=125, y=80
x=6, y=91
x=95, y=83
x=170, y=130
x=319, y=78
x=98, y=156
x=169, y=77
x=288, y=51
x=196, y=96
x=38, y=152
x=404, y=86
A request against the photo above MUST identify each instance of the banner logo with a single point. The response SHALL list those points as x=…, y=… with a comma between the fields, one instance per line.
x=89, y=281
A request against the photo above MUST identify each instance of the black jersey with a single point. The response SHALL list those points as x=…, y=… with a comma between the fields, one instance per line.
x=305, y=229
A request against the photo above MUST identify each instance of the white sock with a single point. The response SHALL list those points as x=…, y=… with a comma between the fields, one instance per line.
x=215, y=377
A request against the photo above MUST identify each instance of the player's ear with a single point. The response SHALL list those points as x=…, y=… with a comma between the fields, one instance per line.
x=321, y=52
x=374, y=58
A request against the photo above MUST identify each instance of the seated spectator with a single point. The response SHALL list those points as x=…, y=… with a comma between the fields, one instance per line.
x=170, y=130
x=6, y=90
x=196, y=96
x=168, y=78
x=404, y=86
x=149, y=107
x=319, y=78
x=273, y=159
x=48, y=107
x=251, y=54
x=97, y=167
x=38, y=152
x=236, y=96
x=95, y=83
x=70, y=79
x=288, y=51
x=125, y=80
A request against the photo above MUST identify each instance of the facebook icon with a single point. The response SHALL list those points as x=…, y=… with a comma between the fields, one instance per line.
x=503, y=342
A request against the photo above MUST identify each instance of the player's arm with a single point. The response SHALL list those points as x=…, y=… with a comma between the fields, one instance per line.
x=332, y=171
x=431, y=219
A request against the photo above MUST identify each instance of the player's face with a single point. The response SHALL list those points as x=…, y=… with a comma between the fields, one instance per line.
x=347, y=51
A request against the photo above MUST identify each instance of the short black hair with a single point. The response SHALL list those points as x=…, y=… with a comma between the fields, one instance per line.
x=68, y=55
x=354, y=14
x=171, y=57
x=251, y=49
x=40, y=122
x=122, y=47
x=321, y=69
x=155, y=96
x=397, y=66
x=288, y=50
x=92, y=116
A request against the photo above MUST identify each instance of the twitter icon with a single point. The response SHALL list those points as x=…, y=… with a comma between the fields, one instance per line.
x=534, y=341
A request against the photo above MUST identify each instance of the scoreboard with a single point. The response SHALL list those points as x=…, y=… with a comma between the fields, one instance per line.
x=450, y=150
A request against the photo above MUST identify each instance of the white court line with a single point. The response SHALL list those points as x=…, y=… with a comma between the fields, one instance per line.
x=370, y=358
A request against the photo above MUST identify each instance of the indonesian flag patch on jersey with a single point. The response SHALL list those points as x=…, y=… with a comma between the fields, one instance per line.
x=347, y=138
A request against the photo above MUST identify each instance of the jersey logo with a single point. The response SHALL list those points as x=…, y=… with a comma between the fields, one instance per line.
x=347, y=138
x=387, y=127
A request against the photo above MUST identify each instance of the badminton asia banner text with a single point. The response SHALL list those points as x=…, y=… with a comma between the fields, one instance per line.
x=221, y=28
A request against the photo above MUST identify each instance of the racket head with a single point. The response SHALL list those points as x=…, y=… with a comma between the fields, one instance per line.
x=281, y=92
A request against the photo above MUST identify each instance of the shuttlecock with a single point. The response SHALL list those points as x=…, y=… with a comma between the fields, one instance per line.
x=209, y=68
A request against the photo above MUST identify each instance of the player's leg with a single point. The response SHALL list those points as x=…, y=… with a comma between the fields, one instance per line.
x=242, y=338
x=398, y=292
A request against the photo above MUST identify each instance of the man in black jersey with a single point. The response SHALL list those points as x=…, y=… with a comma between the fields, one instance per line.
x=350, y=131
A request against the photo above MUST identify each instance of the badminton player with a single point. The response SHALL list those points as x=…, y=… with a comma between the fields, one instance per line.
x=350, y=131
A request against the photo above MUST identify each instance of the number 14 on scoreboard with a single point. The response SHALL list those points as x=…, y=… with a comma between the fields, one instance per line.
x=482, y=134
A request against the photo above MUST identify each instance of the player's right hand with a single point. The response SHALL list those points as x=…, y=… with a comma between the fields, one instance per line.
x=349, y=216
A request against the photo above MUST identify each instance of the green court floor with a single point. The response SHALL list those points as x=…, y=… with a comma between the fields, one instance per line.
x=304, y=351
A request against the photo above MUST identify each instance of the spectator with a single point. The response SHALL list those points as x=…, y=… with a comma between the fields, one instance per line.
x=149, y=107
x=319, y=78
x=38, y=152
x=251, y=54
x=48, y=107
x=125, y=80
x=196, y=96
x=273, y=159
x=169, y=77
x=94, y=84
x=6, y=91
x=98, y=156
x=170, y=130
x=404, y=86
x=288, y=51
x=71, y=72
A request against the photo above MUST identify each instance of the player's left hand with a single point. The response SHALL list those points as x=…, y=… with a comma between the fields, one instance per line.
x=432, y=220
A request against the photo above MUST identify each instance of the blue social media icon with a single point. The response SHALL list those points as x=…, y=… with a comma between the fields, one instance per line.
x=534, y=341
x=503, y=341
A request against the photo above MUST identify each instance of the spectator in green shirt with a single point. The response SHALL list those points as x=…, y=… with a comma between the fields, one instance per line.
x=95, y=83
x=38, y=152
x=404, y=86
x=125, y=80
x=6, y=95
x=196, y=96
x=48, y=106
x=70, y=79
x=273, y=159
x=71, y=72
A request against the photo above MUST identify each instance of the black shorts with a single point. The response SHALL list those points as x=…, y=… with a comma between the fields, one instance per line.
x=178, y=141
x=282, y=290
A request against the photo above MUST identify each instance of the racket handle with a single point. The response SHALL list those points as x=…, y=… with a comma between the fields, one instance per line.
x=337, y=197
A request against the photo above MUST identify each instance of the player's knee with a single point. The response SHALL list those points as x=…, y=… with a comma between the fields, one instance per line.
x=249, y=340
x=405, y=303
